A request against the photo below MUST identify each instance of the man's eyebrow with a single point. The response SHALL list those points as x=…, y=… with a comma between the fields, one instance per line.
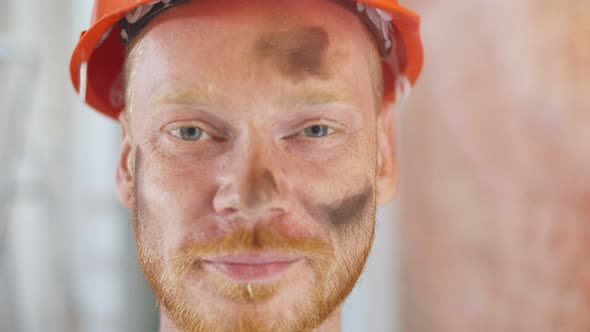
x=196, y=95
x=202, y=95
x=316, y=96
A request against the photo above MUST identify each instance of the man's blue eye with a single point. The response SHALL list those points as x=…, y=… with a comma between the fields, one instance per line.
x=188, y=133
x=317, y=131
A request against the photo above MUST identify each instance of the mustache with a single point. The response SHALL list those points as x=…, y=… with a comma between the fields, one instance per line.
x=260, y=238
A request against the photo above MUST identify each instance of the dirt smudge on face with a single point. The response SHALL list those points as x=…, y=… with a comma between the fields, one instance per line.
x=261, y=187
x=298, y=53
x=344, y=212
x=138, y=163
x=349, y=209
x=136, y=167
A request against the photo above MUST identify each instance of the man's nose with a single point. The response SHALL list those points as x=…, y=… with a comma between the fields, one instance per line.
x=250, y=187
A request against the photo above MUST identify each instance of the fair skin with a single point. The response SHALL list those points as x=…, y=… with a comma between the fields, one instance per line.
x=254, y=154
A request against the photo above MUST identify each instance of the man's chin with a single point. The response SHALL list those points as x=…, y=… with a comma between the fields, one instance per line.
x=252, y=280
x=230, y=292
x=213, y=300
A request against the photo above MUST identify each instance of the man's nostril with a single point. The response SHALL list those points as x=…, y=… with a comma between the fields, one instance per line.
x=228, y=213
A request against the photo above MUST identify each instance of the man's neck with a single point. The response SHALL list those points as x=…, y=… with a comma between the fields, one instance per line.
x=332, y=324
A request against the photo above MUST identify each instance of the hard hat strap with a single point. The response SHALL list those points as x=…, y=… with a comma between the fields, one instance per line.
x=139, y=17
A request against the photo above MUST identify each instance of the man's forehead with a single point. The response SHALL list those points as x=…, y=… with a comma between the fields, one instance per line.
x=299, y=50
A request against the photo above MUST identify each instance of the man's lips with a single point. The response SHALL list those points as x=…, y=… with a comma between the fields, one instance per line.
x=252, y=268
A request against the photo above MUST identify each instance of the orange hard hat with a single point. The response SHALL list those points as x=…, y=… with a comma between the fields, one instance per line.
x=97, y=61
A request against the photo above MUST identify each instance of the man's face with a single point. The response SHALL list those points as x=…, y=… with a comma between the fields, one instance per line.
x=250, y=158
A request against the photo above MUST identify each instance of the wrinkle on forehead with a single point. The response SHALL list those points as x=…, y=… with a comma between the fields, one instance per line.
x=297, y=54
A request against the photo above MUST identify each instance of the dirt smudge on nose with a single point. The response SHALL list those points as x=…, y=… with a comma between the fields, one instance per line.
x=297, y=54
x=261, y=187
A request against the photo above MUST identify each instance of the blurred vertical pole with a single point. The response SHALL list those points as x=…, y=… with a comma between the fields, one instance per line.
x=7, y=183
x=37, y=268
x=495, y=185
x=6, y=312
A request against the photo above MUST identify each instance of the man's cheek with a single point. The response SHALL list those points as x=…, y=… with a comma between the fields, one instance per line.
x=175, y=194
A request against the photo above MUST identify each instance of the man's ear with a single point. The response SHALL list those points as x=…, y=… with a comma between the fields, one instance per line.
x=124, y=177
x=387, y=171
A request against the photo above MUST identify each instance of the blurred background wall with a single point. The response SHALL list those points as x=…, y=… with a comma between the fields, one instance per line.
x=67, y=256
x=495, y=161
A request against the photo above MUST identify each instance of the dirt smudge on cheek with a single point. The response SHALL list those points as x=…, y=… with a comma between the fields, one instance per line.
x=138, y=178
x=136, y=173
x=344, y=212
x=297, y=54
x=350, y=209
